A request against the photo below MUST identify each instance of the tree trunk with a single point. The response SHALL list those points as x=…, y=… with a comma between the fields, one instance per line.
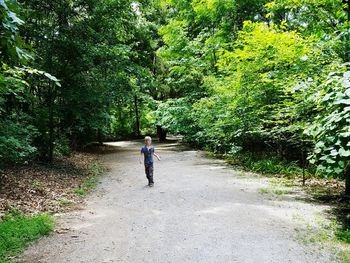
x=138, y=133
x=303, y=162
x=51, y=124
x=100, y=137
x=347, y=180
x=161, y=132
x=347, y=185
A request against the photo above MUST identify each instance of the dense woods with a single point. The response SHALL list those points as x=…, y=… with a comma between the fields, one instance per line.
x=72, y=72
x=268, y=78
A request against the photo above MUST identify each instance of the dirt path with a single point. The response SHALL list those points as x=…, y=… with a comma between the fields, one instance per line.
x=200, y=210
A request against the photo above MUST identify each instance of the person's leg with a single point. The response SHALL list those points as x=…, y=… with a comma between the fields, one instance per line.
x=147, y=173
x=151, y=174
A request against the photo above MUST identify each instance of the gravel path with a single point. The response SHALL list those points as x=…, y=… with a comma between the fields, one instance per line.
x=199, y=210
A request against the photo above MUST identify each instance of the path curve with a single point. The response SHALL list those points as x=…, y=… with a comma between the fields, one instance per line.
x=200, y=210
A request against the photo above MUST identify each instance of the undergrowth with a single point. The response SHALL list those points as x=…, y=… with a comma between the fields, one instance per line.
x=343, y=235
x=91, y=182
x=18, y=230
x=266, y=163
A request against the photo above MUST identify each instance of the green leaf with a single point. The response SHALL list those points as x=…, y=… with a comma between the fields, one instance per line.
x=342, y=164
x=14, y=18
x=347, y=92
x=330, y=160
x=320, y=144
x=334, y=152
x=338, y=170
x=346, y=83
x=22, y=54
x=312, y=161
x=3, y=4
x=49, y=76
x=342, y=101
x=344, y=153
x=345, y=134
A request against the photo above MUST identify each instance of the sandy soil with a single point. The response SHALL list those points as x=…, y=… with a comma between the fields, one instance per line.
x=199, y=210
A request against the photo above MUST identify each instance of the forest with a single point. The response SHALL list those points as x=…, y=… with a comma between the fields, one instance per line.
x=262, y=84
x=252, y=78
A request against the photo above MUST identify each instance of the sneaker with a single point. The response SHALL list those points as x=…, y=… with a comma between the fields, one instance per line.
x=151, y=184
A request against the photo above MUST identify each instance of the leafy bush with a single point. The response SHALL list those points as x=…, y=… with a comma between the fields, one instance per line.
x=16, y=138
x=175, y=115
x=343, y=235
x=252, y=103
x=331, y=128
x=261, y=89
x=62, y=146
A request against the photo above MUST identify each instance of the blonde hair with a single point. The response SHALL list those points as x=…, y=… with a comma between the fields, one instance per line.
x=148, y=138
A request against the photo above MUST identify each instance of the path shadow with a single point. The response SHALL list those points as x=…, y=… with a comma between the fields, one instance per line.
x=334, y=198
x=101, y=149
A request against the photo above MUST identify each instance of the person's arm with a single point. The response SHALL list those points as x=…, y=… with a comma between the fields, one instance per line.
x=156, y=155
x=140, y=158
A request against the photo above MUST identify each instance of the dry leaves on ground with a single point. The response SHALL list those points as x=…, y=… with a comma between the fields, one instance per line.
x=45, y=188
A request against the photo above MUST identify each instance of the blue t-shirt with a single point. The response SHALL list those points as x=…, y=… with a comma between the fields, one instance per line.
x=148, y=154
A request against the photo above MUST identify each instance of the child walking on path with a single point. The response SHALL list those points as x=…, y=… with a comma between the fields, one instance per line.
x=148, y=151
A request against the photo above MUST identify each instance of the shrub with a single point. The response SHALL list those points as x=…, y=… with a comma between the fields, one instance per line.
x=16, y=137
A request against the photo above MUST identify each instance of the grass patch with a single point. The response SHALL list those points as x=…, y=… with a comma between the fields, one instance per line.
x=343, y=235
x=64, y=202
x=86, y=186
x=264, y=190
x=91, y=182
x=18, y=230
x=80, y=191
x=327, y=234
x=267, y=164
x=272, y=190
x=279, y=192
x=344, y=256
x=277, y=187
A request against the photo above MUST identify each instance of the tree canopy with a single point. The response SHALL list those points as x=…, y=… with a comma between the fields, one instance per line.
x=229, y=75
